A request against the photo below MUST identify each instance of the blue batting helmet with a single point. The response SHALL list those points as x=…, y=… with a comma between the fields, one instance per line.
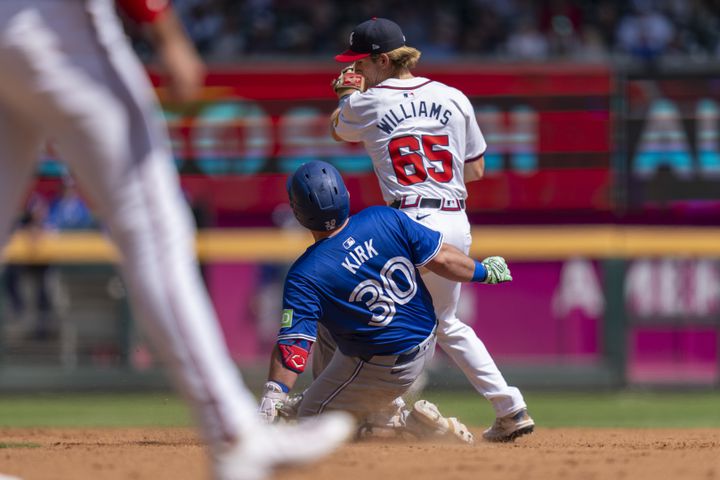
x=318, y=196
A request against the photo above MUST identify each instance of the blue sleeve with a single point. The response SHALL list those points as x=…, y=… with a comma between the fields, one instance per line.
x=424, y=242
x=301, y=309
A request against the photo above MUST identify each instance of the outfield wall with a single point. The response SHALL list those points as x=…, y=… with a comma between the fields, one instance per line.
x=592, y=305
x=602, y=189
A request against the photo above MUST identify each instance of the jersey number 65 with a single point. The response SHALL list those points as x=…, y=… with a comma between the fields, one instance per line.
x=407, y=155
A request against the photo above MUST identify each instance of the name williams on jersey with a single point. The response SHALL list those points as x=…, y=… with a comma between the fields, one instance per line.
x=418, y=108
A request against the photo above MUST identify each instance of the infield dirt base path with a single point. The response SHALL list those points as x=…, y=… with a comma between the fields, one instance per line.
x=552, y=454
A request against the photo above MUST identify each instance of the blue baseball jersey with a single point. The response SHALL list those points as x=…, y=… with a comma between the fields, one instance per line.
x=363, y=285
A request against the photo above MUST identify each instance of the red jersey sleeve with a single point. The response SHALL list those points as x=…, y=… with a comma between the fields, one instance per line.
x=144, y=11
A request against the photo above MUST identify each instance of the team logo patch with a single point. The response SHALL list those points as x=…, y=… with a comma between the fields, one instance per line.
x=286, y=318
x=349, y=242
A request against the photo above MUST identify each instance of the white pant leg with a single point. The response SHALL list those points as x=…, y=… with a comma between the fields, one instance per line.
x=19, y=145
x=90, y=93
x=457, y=339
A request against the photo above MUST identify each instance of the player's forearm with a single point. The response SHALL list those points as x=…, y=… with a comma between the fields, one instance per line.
x=333, y=124
x=278, y=372
x=474, y=170
x=452, y=264
x=183, y=67
x=166, y=30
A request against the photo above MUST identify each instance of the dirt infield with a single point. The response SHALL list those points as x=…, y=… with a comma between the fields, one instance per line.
x=168, y=453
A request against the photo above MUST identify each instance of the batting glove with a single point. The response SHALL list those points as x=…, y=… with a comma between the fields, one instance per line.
x=497, y=270
x=271, y=402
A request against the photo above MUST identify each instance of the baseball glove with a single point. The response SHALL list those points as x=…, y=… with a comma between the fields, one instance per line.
x=348, y=82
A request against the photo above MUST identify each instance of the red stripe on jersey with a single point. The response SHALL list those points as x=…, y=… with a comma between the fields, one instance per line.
x=144, y=11
x=402, y=88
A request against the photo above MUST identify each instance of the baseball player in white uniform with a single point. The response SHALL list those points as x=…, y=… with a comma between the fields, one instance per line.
x=425, y=145
x=68, y=73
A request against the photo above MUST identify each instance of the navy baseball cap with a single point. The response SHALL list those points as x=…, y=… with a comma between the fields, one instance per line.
x=377, y=35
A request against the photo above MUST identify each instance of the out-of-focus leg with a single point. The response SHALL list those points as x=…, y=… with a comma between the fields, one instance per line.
x=19, y=144
x=89, y=93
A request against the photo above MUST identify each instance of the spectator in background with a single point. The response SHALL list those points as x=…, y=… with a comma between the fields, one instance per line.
x=561, y=21
x=527, y=43
x=229, y=43
x=645, y=33
x=226, y=29
x=68, y=211
x=605, y=17
x=202, y=20
x=443, y=42
x=592, y=47
x=485, y=30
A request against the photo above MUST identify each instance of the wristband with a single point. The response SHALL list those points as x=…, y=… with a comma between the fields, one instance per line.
x=280, y=385
x=144, y=11
x=480, y=274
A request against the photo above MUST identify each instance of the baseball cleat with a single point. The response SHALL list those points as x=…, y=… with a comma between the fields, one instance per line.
x=510, y=427
x=429, y=415
x=283, y=445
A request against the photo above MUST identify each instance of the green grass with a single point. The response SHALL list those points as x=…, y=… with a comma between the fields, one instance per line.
x=620, y=409
x=88, y=410
x=18, y=445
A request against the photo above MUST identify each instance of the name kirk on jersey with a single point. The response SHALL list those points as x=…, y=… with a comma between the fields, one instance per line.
x=395, y=116
x=359, y=255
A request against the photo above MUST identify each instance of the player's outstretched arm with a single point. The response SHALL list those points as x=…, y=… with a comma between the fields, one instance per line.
x=184, y=69
x=182, y=64
x=453, y=264
x=280, y=381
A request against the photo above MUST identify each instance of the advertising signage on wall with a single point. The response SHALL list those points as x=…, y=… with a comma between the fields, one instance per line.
x=548, y=132
x=672, y=128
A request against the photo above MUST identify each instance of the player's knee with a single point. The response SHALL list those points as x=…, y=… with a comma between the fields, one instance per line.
x=453, y=327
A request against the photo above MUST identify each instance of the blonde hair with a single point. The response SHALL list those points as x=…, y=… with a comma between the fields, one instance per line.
x=403, y=58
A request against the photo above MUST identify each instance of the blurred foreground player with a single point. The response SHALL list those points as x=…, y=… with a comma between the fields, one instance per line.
x=68, y=73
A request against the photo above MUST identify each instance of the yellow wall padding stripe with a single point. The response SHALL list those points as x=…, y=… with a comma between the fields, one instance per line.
x=515, y=243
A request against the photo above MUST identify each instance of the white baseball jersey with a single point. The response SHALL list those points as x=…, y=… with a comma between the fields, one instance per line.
x=419, y=134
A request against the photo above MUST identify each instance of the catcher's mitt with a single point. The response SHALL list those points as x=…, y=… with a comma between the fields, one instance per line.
x=348, y=82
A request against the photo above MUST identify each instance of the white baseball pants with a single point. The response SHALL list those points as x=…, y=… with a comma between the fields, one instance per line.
x=458, y=340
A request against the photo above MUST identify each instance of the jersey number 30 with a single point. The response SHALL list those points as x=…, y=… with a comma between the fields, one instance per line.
x=408, y=161
x=381, y=298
